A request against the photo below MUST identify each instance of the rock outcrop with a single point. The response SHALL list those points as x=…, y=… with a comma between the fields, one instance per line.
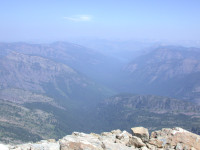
x=169, y=139
x=141, y=132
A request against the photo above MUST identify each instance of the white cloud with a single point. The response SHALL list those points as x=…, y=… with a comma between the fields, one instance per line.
x=79, y=18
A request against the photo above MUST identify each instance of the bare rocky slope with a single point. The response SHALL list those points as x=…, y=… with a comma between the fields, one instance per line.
x=85, y=60
x=169, y=139
x=168, y=71
x=41, y=98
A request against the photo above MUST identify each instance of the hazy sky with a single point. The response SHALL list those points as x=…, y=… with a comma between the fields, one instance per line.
x=24, y=20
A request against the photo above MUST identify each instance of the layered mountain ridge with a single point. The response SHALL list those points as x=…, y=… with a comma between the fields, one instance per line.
x=152, y=103
x=168, y=71
x=64, y=87
x=33, y=85
x=153, y=112
x=34, y=73
x=87, y=61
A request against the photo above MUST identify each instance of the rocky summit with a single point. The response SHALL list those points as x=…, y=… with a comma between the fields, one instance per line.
x=139, y=139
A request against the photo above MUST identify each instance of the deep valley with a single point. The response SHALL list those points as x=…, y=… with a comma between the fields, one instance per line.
x=50, y=90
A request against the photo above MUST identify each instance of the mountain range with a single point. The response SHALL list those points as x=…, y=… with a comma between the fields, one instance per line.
x=63, y=87
x=168, y=71
x=32, y=84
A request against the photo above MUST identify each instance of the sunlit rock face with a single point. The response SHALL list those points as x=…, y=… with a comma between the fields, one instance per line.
x=176, y=138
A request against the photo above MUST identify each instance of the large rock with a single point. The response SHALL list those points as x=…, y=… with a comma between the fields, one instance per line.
x=116, y=146
x=156, y=142
x=123, y=137
x=141, y=132
x=165, y=139
x=136, y=142
x=81, y=141
x=3, y=147
x=42, y=145
x=176, y=138
x=116, y=140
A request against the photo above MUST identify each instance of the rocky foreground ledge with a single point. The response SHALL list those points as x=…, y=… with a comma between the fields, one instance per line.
x=176, y=138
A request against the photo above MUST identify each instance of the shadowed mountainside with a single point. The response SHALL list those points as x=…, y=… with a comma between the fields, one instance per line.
x=38, y=86
x=153, y=112
x=169, y=71
x=102, y=68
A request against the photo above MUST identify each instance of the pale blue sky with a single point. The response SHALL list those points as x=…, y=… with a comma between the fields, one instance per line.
x=26, y=20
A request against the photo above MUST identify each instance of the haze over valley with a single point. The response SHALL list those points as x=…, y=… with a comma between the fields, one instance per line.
x=71, y=87
x=90, y=70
